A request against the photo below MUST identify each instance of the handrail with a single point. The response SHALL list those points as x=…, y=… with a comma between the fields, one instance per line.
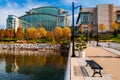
x=68, y=71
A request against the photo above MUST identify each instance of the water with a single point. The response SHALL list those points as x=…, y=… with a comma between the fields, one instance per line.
x=31, y=65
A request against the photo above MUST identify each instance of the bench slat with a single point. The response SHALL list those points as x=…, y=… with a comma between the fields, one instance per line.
x=93, y=64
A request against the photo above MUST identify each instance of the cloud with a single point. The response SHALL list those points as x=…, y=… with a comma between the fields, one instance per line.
x=17, y=10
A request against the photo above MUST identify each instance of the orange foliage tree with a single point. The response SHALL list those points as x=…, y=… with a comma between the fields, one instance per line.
x=19, y=33
x=12, y=33
x=66, y=32
x=50, y=35
x=102, y=27
x=31, y=33
x=81, y=29
x=7, y=33
x=57, y=32
x=41, y=32
x=114, y=26
x=1, y=33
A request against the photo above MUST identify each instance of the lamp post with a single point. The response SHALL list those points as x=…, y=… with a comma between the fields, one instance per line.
x=87, y=33
x=73, y=45
x=73, y=50
x=97, y=35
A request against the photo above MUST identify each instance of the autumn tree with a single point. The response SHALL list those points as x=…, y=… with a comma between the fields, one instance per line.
x=114, y=26
x=7, y=33
x=90, y=28
x=66, y=32
x=50, y=35
x=81, y=29
x=1, y=34
x=31, y=33
x=12, y=33
x=41, y=32
x=102, y=27
x=57, y=32
x=19, y=33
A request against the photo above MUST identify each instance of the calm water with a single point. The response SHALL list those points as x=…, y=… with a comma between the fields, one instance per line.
x=32, y=65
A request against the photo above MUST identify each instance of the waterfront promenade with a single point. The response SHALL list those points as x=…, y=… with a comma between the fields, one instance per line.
x=106, y=57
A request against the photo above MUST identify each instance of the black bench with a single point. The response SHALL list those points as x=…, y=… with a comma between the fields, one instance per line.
x=96, y=67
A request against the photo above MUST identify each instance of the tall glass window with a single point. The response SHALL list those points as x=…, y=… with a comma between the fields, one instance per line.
x=10, y=23
x=118, y=17
x=84, y=18
x=92, y=18
x=85, y=29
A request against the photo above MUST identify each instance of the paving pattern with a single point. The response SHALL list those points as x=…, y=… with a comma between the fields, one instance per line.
x=79, y=71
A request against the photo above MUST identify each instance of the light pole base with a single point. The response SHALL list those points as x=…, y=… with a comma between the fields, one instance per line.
x=73, y=55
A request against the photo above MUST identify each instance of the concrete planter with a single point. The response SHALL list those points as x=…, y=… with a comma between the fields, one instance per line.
x=83, y=54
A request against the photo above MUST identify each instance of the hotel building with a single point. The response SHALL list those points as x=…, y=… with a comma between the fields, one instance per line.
x=47, y=17
x=106, y=14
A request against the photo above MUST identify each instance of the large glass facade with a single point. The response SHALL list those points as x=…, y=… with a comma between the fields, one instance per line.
x=47, y=10
x=39, y=20
x=47, y=17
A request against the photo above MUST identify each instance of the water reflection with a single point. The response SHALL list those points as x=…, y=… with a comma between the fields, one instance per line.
x=32, y=66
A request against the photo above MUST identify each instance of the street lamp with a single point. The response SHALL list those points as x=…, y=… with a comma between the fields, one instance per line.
x=87, y=33
x=73, y=45
x=97, y=35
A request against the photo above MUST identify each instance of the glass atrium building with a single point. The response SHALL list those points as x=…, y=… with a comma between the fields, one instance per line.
x=47, y=17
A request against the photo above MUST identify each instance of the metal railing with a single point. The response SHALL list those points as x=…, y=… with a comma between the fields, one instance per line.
x=110, y=45
x=68, y=71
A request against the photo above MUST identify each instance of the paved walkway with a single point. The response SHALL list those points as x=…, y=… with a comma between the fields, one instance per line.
x=104, y=56
x=80, y=72
x=107, y=58
x=75, y=70
x=104, y=45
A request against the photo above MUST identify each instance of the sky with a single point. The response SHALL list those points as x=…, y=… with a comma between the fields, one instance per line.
x=19, y=7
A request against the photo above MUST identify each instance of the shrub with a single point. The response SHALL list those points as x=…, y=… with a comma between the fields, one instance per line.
x=81, y=45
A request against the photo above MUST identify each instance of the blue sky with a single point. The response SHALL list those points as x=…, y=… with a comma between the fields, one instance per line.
x=19, y=7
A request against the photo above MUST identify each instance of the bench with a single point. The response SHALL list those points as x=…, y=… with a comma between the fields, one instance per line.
x=96, y=67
